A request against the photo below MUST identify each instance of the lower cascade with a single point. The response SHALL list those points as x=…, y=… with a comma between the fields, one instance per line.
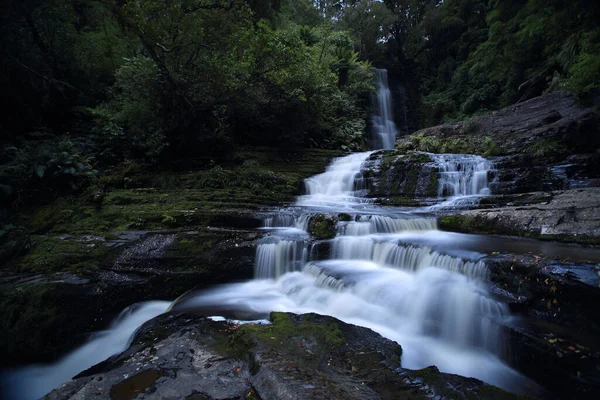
x=382, y=270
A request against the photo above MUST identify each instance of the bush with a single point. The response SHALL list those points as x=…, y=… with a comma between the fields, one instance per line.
x=43, y=166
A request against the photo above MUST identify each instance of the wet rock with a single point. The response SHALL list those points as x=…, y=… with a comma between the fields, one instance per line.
x=295, y=357
x=569, y=215
x=554, y=116
x=398, y=178
x=546, y=143
x=554, y=337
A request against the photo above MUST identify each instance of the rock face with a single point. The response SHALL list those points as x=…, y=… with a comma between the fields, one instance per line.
x=295, y=357
x=555, y=301
x=61, y=309
x=571, y=215
x=555, y=116
x=398, y=178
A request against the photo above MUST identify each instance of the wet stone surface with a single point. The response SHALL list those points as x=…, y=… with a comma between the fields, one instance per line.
x=295, y=357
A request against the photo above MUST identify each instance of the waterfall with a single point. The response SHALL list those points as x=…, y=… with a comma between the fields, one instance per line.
x=378, y=273
x=368, y=224
x=436, y=305
x=382, y=122
x=339, y=186
x=276, y=256
x=406, y=257
x=35, y=381
x=462, y=174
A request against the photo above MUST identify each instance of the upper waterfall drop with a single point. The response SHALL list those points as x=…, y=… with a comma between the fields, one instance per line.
x=382, y=122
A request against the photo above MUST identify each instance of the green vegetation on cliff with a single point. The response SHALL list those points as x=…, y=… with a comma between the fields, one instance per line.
x=474, y=56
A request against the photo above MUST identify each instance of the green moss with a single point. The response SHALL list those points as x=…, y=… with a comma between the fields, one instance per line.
x=322, y=227
x=546, y=148
x=287, y=333
x=433, y=186
x=53, y=254
x=411, y=180
x=467, y=224
x=193, y=244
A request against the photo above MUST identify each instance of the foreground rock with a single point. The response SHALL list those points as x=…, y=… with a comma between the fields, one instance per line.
x=570, y=215
x=296, y=357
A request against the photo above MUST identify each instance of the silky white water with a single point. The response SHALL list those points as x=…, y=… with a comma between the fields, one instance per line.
x=463, y=179
x=338, y=187
x=462, y=174
x=382, y=122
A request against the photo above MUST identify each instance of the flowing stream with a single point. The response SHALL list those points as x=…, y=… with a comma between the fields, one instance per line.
x=393, y=272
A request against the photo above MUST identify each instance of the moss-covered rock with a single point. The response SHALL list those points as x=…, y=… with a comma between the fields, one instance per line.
x=322, y=226
x=305, y=356
x=399, y=178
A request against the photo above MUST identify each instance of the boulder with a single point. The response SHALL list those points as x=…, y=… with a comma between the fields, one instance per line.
x=305, y=356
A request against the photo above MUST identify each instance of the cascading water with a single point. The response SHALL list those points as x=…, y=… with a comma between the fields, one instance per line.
x=35, y=381
x=462, y=174
x=337, y=187
x=462, y=180
x=382, y=123
x=435, y=305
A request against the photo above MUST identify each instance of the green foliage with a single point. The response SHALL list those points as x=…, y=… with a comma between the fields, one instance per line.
x=490, y=148
x=152, y=79
x=584, y=63
x=430, y=144
x=472, y=57
x=42, y=166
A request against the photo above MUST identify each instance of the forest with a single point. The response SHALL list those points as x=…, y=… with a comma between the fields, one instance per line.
x=162, y=161
x=89, y=84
